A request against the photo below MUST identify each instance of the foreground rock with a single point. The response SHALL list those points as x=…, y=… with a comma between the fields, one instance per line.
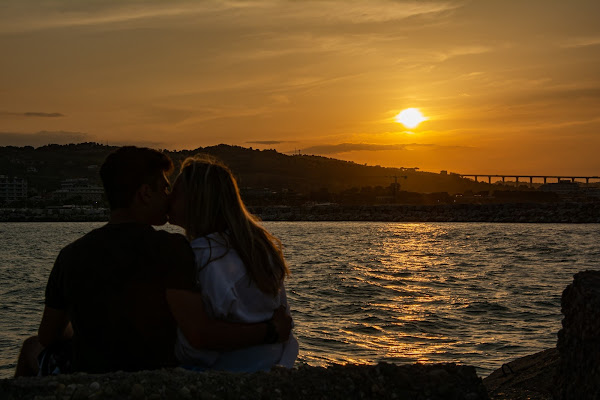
x=572, y=369
x=579, y=339
x=531, y=377
x=382, y=381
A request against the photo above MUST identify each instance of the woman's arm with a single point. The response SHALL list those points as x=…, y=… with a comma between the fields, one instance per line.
x=203, y=332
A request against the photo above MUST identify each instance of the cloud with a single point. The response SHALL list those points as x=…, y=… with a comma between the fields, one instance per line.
x=463, y=51
x=73, y=15
x=561, y=94
x=347, y=147
x=31, y=114
x=581, y=42
x=41, y=114
x=42, y=138
x=358, y=11
x=25, y=16
x=270, y=141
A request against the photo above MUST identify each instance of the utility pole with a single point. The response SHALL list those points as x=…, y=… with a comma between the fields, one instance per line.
x=396, y=185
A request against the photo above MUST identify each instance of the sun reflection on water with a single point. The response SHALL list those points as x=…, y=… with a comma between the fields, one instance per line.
x=404, y=288
x=421, y=292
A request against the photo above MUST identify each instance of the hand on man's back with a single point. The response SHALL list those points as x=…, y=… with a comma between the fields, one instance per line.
x=283, y=323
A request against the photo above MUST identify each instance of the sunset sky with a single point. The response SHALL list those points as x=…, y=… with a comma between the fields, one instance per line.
x=508, y=86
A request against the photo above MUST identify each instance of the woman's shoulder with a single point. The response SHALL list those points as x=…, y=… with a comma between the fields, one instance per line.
x=215, y=258
x=213, y=240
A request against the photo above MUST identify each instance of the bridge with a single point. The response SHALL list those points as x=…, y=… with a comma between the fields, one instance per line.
x=558, y=178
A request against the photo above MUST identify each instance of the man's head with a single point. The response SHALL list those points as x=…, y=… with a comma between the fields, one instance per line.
x=136, y=177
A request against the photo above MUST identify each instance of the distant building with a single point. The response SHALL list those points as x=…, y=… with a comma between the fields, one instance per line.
x=562, y=187
x=385, y=200
x=78, y=188
x=592, y=191
x=12, y=189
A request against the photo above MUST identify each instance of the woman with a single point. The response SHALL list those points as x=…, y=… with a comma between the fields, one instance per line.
x=239, y=265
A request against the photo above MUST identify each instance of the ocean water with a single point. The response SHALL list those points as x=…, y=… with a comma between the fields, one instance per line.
x=480, y=294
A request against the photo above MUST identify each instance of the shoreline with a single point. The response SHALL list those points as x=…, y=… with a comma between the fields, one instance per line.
x=495, y=212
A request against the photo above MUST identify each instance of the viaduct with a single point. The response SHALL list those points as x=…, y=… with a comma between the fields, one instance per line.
x=531, y=177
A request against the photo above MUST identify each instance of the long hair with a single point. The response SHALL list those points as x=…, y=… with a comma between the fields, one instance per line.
x=213, y=204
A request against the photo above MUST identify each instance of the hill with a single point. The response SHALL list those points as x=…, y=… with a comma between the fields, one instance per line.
x=45, y=167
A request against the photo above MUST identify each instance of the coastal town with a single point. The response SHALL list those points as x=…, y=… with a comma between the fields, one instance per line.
x=61, y=183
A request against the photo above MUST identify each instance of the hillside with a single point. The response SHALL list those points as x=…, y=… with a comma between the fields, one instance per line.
x=45, y=167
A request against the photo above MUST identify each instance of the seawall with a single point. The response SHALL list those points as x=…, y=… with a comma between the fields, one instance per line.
x=382, y=381
x=501, y=213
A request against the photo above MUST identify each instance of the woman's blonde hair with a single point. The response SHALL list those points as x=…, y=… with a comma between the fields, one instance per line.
x=213, y=204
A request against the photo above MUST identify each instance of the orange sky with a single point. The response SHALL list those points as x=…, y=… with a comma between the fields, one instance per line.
x=508, y=86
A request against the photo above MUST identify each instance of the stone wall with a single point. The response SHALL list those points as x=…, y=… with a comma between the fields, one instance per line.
x=382, y=381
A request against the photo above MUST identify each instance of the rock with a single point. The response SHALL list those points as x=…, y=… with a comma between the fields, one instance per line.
x=384, y=380
x=530, y=377
x=70, y=389
x=579, y=339
x=569, y=371
x=438, y=374
x=185, y=393
x=137, y=391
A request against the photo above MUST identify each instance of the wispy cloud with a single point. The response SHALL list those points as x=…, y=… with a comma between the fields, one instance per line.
x=348, y=147
x=581, y=42
x=31, y=114
x=358, y=11
x=463, y=51
x=73, y=13
x=270, y=141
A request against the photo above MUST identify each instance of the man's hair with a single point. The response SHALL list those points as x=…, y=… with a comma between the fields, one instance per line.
x=128, y=168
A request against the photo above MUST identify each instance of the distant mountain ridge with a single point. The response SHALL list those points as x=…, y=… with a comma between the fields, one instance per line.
x=45, y=167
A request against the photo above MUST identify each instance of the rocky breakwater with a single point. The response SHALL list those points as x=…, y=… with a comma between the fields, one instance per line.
x=67, y=213
x=503, y=212
x=579, y=339
x=382, y=381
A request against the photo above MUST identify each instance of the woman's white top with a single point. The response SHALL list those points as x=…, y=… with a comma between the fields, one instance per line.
x=229, y=294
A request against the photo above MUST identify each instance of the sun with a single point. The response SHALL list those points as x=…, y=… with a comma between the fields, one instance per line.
x=410, y=118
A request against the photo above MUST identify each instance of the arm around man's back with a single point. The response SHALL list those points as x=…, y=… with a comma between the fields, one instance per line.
x=203, y=332
x=187, y=307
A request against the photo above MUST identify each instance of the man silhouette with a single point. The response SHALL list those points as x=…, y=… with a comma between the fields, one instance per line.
x=116, y=296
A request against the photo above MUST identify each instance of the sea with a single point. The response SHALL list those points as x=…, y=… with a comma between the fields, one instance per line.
x=479, y=294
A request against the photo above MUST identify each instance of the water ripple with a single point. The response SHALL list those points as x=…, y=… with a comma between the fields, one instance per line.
x=479, y=294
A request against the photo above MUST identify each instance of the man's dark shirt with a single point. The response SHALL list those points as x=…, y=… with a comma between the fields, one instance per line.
x=112, y=283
